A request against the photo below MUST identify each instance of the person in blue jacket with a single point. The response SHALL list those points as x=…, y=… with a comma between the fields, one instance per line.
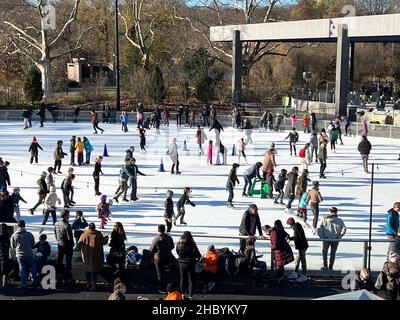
x=88, y=149
x=392, y=226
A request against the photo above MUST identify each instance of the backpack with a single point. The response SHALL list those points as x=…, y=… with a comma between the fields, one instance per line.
x=133, y=258
x=302, y=153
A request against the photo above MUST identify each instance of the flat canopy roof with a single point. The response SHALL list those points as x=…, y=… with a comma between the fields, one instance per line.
x=379, y=28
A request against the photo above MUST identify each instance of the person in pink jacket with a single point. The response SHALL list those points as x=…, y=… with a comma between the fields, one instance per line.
x=209, y=152
x=200, y=139
x=240, y=146
x=293, y=119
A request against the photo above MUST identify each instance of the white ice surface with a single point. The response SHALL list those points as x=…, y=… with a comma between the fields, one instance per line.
x=350, y=191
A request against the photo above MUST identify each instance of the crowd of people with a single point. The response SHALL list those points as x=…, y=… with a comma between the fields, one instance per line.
x=20, y=250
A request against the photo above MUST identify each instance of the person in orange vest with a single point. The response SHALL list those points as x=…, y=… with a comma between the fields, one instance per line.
x=210, y=268
x=173, y=292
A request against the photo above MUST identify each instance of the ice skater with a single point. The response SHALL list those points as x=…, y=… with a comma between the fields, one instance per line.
x=293, y=138
x=200, y=139
x=169, y=213
x=16, y=197
x=279, y=187
x=209, y=152
x=58, y=155
x=96, y=175
x=95, y=122
x=50, y=205
x=230, y=184
x=181, y=206
x=88, y=149
x=34, y=150
x=103, y=210
x=250, y=174
x=142, y=132
x=217, y=130
x=42, y=191
x=72, y=149
x=240, y=147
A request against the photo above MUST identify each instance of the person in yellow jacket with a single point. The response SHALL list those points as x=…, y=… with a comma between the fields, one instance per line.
x=173, y=293
x=79, y=147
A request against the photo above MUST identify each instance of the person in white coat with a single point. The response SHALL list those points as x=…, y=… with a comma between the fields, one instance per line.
x=173, y=154
x=50, y=205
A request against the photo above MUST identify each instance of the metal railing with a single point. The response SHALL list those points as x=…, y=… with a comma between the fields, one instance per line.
x=175, y=235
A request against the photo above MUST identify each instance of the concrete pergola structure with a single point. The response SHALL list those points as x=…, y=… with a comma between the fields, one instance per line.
x=345, y=31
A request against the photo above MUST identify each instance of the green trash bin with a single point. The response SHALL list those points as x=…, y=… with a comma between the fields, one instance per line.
x=264, y=190
x=253, y=190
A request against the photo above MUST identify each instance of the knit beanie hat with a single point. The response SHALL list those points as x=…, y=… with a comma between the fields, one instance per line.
x=290, y=221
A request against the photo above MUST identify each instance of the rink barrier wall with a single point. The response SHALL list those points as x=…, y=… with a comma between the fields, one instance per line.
x=365, y=242
x=375, y=130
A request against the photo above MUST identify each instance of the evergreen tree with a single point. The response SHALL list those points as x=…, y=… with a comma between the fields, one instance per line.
x=204, y=88
x=157, y=90
x=33, y=85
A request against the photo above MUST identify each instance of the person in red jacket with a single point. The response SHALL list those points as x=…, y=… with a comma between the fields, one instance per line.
x=281, y=249
x=306, y=123
x=95, y=122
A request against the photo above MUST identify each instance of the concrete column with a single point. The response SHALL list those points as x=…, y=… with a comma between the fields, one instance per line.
x=342, y=70
x=236, y=67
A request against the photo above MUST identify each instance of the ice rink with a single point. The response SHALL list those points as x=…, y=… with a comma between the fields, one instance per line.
x=347, y=186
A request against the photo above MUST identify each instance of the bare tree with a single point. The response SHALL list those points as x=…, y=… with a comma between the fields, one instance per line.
x=371, y=7
x=222, y=13
x=24, y=24
x=139, y=20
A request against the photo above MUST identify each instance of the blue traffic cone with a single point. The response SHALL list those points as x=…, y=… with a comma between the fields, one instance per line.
x=185, y=146
x=233, y=150
x=105, y=152
x=217, y=161
x=161, y=169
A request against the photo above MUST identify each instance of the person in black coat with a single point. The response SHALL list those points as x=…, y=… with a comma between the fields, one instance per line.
x=301, y=244
x=4, y=176
x=169, y=210
x=189, y=255
x=42, y=114
x=76, y=113
x=34, y=150
x=117, y=248
x=72, y=150
x=364, y=147
x=96, y=175
x=249, y=224
x=5, y=261
x=230, y=184
x=6, y=206
x=290, y=190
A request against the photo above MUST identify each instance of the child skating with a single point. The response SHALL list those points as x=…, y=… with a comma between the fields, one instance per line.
x=34, y=150
x=16, y=199
x=169, y=213
x=230, y=184
x=280, y=186
x=142, y=133
x=103, y=210
x=210, y=152
x=181, y=206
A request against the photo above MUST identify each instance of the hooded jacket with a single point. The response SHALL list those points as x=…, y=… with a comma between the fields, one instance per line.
x=88, y=147
x=392, y=222
x=364, y=147
x=253, y=172
x=331, y=227
x=22, y=242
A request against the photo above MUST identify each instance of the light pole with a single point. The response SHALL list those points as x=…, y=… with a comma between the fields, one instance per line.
x=307, y=77
x=117, y=57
